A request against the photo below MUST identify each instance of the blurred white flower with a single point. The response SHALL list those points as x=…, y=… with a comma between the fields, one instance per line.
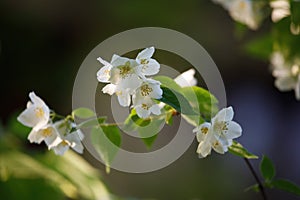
x=286, y=72
x=66, y=139
x=143, y=98
x=147, y=66
x=247, y=12
x=48, y=134
x=37, y=113
x=218, y=134
x=186, y=78
x=281, y=9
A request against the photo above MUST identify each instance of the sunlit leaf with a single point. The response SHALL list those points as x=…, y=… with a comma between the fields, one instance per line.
x=237, y=149
x=83, y=113
x=202, y=101
x=267, y=168
x=106, y=140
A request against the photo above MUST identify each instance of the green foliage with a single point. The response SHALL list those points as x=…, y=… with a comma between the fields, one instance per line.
x=177, y=101
x=106, y=139
x=46, y=176
x=202, y=101
x=92, y=122
x=286, y=185
x=238, y=150
x=146, y=128
x=260, y=47
x=267, y=169
x=83, y=113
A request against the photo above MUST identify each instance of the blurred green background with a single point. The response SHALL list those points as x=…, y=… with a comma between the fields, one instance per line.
x=43, y=43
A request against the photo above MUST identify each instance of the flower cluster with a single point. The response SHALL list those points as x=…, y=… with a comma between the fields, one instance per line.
x=286, y=72
x=247, y=12
x=282, y=9
x=127, y=78
x=218, y=134
x=57, y=135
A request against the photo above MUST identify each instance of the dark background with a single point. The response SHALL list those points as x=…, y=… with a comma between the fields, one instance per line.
x=43, y=43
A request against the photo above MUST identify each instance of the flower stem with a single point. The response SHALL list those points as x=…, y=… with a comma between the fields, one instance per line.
x=260, y=185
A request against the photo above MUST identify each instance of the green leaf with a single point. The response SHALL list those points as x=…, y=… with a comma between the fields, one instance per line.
x=267, y=169
x=254, y=188
x=238, y=150
x=202, y=101
x=106, y=139
x=92, y=122
x=260, y=47
x=287, y=186
x=146, y=128
x=177, y=101
x=168, y=82
x=83, y=113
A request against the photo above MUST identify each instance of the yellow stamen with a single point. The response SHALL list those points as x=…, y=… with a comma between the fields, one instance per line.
x=39, y=112
x=146, y=90
x=144, y=106
x=125, y=69
x=204, y=130
x=144, y=61
x=47, y=132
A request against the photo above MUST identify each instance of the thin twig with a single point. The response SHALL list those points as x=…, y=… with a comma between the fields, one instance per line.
x=260, y=185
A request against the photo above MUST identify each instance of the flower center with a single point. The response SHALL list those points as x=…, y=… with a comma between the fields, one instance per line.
x=216, y=144
x=39, y=112
x=146, y=90
x=47, y=132
x=221, y=127
x=242, y=5
x=144, y=61
x=204, y=130
x=65, y=143
x=145, y=106
x=125, y=70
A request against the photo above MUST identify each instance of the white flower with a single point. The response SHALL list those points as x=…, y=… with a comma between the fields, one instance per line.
x=281, y=9
x=218, y=134
x=48, y=134
x=186, y=78
x=122, y=94
x=147, y=66
x=143, y=98
x=287, y=73
x=66, y=139
x=37, y=113
x=247, y=12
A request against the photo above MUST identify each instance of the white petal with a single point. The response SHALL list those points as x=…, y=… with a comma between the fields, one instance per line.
x=234, y=130
x=103, y=74
x=285, y=83
x=226, y=114
x=103, y=62
x=114, y=57
x=155, y=109
x=109, y=89
x=131, y=82
x=297, y=89
x=204, y=149
x=151, y=68
x=124, y=98
x=119, y=61
x=202, y=131
x=53, y=141
x=61, y=149
x=218, y=147
x=35, y=137
x=35, y=99
x=186, y=79
x=28, y=118
x=141, y=112
x=78, y=147
x=146, y=53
